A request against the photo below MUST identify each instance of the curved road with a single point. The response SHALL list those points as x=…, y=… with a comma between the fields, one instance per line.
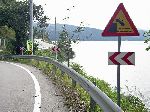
x=25, y=89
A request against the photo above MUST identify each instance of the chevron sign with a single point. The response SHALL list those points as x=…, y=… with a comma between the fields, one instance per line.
x=55, y=49
x=121, y=58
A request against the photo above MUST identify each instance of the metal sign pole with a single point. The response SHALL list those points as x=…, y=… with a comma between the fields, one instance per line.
x=118, y=74
x=31, y=23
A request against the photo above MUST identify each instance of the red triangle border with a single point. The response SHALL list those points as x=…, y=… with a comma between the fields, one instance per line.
x=135, y=31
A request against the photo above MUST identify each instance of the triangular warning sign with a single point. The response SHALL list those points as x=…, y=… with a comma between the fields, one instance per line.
x=120, y=24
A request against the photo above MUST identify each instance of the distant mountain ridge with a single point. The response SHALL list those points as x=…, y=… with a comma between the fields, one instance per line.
x=89, y=34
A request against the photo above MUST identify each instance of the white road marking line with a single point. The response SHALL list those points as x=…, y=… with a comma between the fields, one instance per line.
x=37, y=103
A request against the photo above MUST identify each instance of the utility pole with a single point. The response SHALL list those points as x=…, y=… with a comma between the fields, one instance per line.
x=55, y=38
x=31, y=23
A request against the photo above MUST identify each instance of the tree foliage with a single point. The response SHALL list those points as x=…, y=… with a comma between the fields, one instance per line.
x=6, y=2
x=147, y=35
x=7, y=33
x=64, y=43
x=15, y=15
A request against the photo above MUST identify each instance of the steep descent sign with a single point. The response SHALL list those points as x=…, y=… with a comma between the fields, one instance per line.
x=120, y=24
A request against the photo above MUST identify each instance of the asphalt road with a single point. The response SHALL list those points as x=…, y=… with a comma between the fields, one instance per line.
x=26, y=89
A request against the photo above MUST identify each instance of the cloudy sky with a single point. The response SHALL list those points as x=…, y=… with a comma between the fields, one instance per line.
x=95, y=13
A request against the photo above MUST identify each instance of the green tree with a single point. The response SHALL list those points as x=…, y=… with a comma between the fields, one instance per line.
x=64, y=43
x=7, y=33
x=15, y=15
x=6, y=2
x=147, y=35
x=6, y=36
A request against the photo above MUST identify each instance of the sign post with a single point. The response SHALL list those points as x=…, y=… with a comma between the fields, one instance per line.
x=120, y=25
x=118, y=74
x=21, y=50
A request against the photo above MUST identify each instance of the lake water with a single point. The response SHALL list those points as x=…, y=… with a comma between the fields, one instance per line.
x=93, y=56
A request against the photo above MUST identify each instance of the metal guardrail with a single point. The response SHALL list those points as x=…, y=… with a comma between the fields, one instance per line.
x=98, y=96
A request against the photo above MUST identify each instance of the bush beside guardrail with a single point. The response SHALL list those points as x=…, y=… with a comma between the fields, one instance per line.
x=97, y=95
x=91, y=90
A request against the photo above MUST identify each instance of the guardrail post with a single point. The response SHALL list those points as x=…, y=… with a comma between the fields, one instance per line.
x=53, y=69
x=92, y=102
x=62, y=72
x=73, y=83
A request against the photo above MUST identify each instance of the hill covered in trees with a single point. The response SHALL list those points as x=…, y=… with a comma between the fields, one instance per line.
x=89, y=34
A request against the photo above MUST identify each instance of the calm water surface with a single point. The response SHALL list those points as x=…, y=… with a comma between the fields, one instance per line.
x=93, y=56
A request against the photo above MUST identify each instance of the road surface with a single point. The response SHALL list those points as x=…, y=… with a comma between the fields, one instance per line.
x=25, y=89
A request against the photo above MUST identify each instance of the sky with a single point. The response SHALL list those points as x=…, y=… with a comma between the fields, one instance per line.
x=95, y=13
